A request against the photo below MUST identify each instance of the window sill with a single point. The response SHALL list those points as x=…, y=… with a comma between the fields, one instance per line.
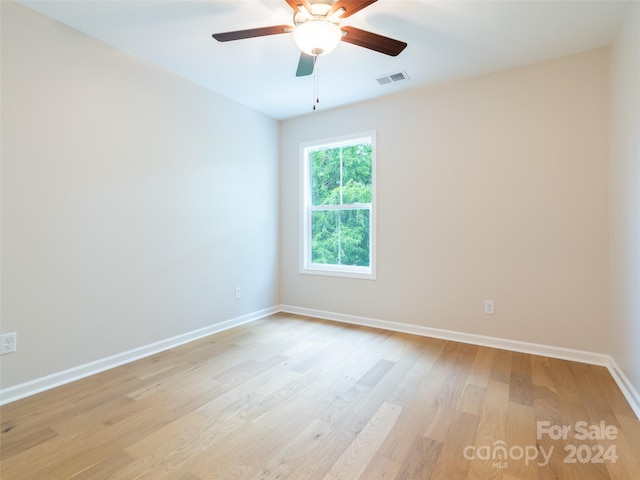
x=336, y=271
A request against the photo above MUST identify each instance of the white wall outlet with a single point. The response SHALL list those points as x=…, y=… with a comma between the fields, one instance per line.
x=238, y=293
x=8, y=343
x=489, y=307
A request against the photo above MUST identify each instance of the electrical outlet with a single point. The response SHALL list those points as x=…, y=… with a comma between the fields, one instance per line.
x=238, y=293
x=8, y=343
x=489, y=307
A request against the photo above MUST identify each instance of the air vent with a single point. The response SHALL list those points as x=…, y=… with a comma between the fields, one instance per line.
x=392, y=78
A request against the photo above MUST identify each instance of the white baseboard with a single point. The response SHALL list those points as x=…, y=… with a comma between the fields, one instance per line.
x=630, y=393
x=627, y=388
x=38, y=385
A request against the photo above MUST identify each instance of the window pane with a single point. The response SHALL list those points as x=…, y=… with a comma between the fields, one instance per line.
x=354, y=237
x=325, y=176
x=339, y=207
x=356, y=174
x=325, y=237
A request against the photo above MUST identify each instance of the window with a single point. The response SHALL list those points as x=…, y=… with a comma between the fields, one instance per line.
x=338, y=224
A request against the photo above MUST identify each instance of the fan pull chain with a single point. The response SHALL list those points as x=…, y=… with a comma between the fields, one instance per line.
x=315, y=83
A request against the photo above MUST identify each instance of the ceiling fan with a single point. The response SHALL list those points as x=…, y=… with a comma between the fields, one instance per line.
x=317, y=31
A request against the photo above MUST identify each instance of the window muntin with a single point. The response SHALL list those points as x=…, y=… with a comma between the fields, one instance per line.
x=338, y=236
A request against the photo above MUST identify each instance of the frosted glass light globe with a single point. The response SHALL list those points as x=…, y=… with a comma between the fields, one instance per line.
x=317, y=37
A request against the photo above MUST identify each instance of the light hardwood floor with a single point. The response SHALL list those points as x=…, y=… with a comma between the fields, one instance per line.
x=295, y=398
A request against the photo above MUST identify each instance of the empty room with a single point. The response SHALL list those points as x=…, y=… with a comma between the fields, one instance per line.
x=333, y=239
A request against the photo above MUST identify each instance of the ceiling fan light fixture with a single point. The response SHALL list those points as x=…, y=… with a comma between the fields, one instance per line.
x=317, y=37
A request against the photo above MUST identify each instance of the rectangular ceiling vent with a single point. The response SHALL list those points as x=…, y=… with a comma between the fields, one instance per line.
x=392, y=78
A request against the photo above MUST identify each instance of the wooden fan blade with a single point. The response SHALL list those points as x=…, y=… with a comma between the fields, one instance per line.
x=306, y=65
x=294, y=4
x=350, y=6
x=373, y=41
x=251, y=33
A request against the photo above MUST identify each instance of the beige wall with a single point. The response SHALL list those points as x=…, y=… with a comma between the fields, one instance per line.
x=625, y=197
x=132, y=204
x=490, y=188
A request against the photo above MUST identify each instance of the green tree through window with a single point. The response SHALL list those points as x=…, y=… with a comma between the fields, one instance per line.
x=339, y=204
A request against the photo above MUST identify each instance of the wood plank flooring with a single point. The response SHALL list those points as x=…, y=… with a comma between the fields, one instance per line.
x=295, y=398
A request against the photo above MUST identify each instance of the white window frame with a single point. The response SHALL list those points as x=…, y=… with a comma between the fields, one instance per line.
x=306, y=265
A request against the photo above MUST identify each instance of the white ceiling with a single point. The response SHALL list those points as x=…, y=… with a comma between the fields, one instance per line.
x=447, y=40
